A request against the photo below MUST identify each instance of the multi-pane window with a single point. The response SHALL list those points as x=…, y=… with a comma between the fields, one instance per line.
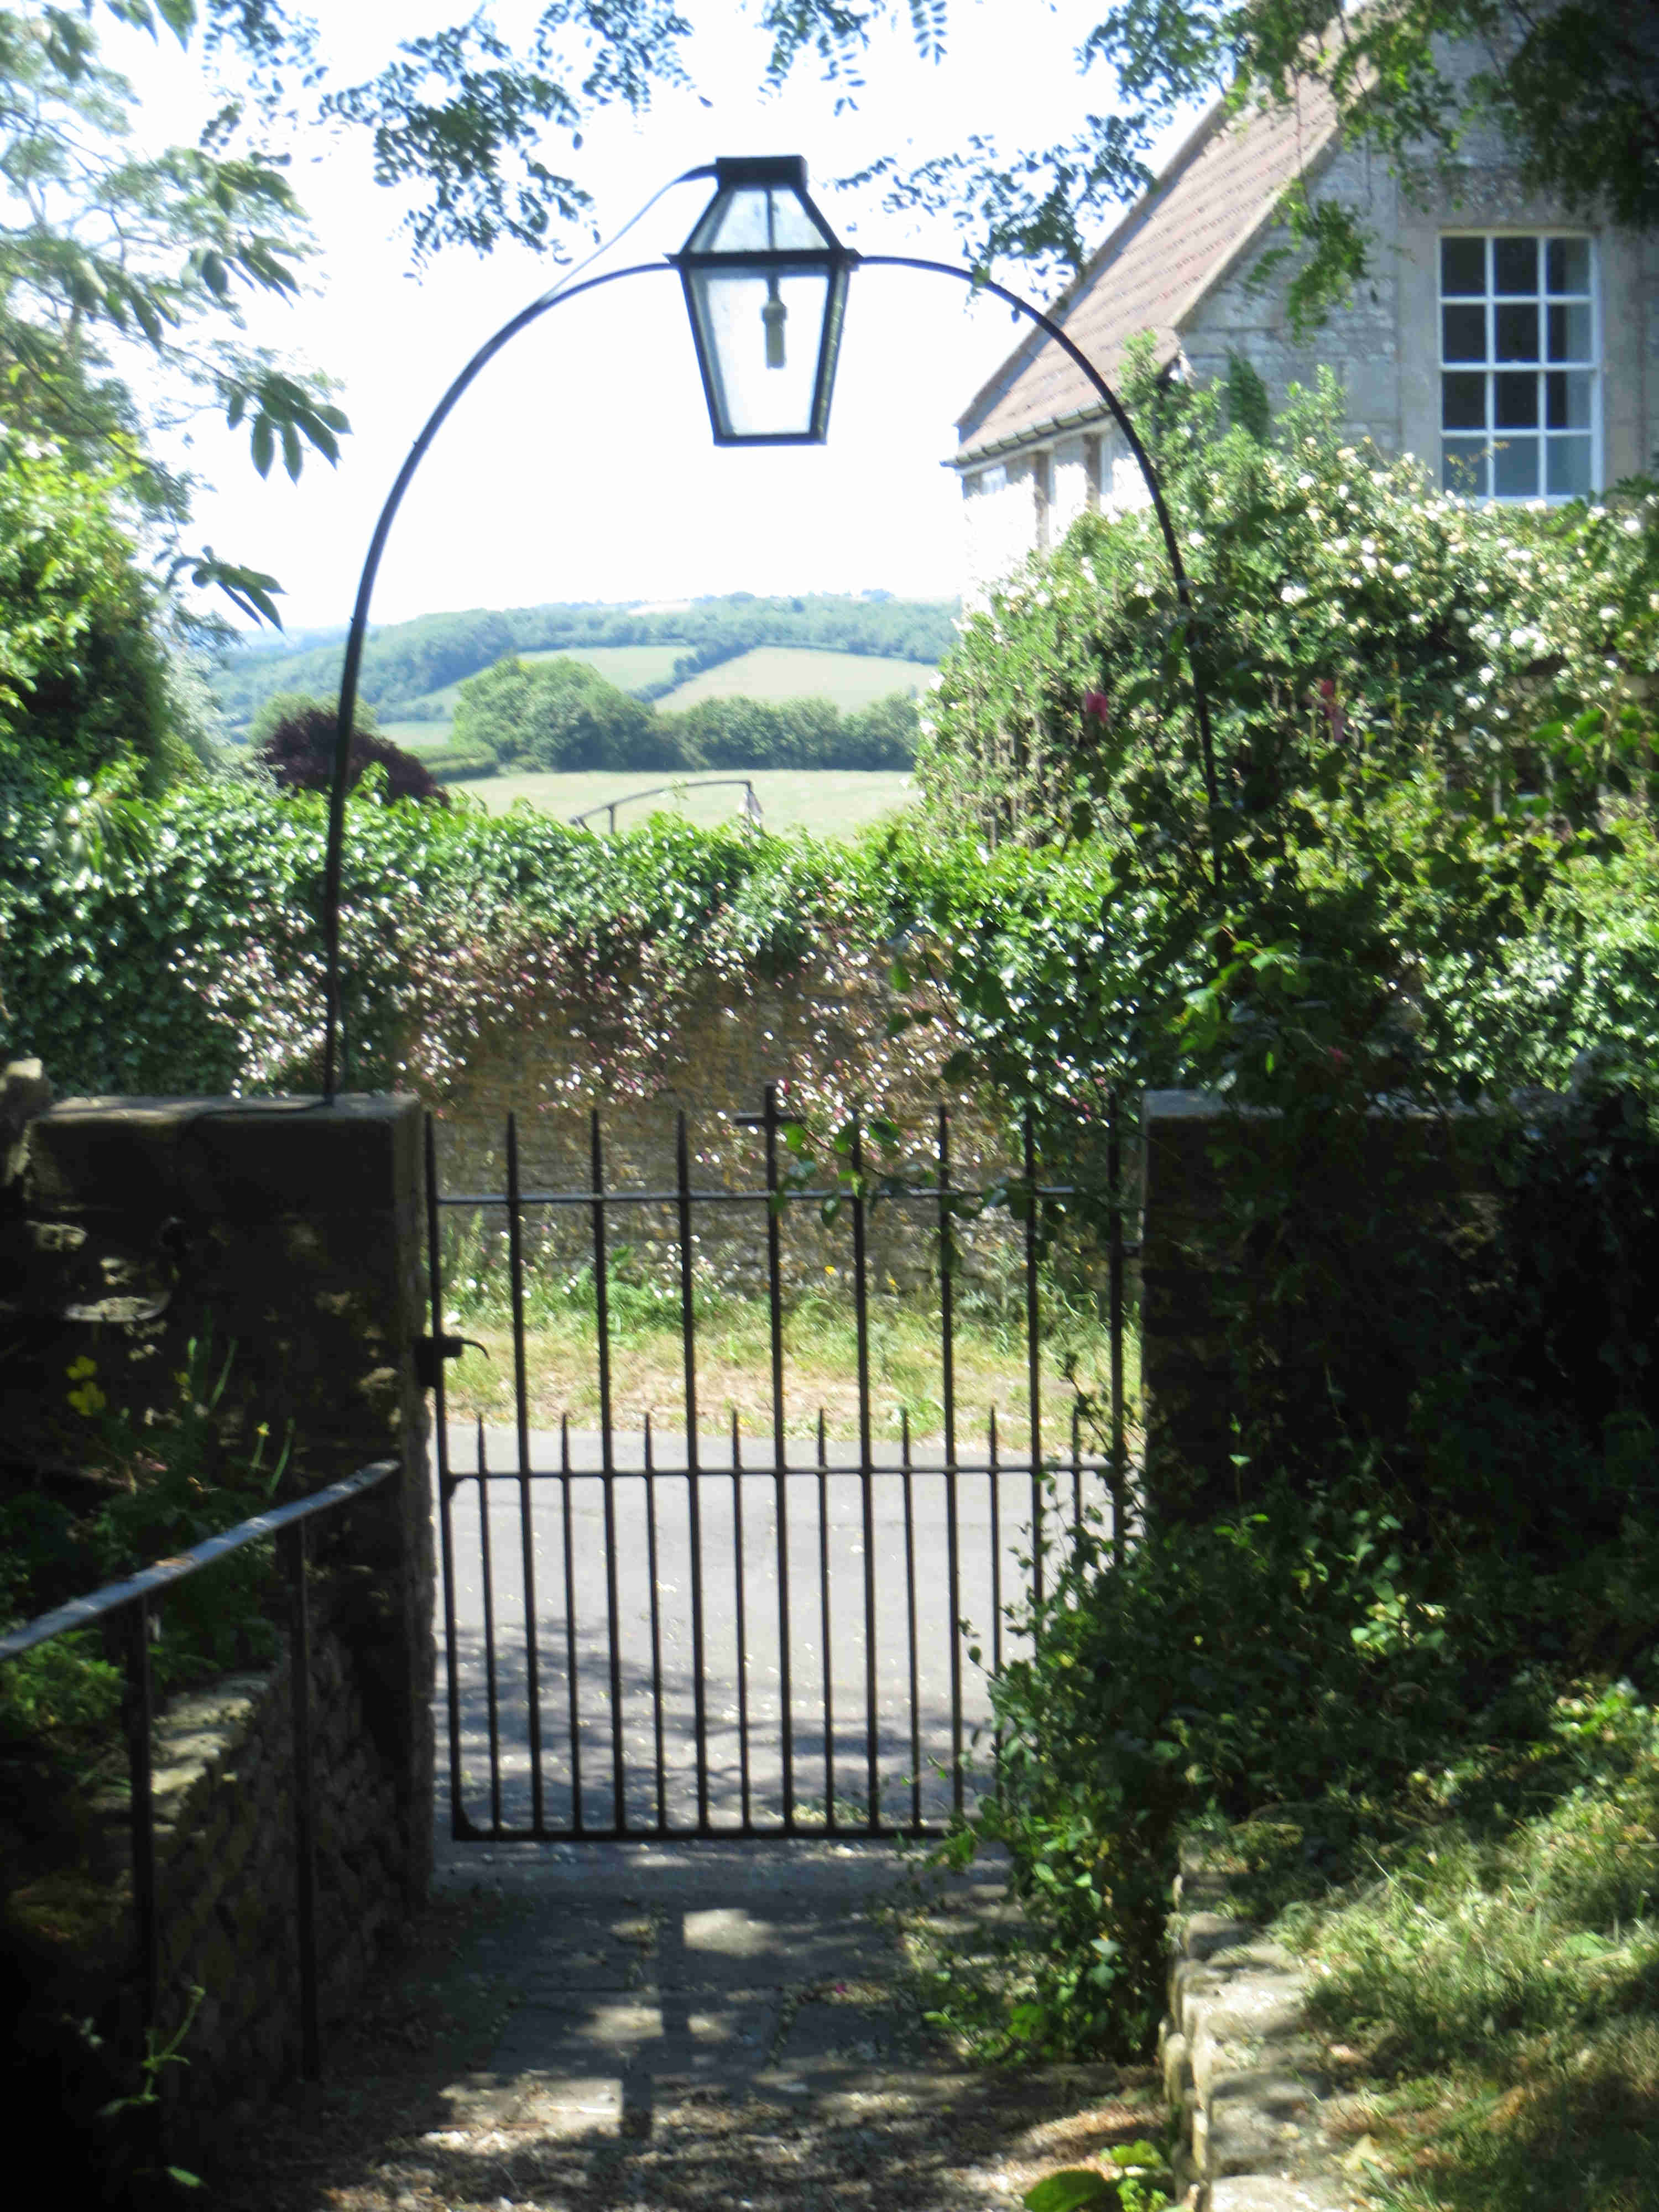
x=1517, y=366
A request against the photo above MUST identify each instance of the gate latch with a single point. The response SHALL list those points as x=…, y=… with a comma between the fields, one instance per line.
x=431, y=1350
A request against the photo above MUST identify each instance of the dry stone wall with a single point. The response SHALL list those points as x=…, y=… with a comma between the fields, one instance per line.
x=1241, y=2069
x=820, y=1035
x=223, y=1779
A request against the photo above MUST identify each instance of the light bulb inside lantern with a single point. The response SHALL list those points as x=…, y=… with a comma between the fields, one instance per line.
x=773, y=315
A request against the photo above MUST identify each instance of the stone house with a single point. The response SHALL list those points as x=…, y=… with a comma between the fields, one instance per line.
x=1515, y=350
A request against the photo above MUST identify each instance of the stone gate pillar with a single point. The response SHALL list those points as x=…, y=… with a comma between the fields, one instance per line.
x=293, y=1232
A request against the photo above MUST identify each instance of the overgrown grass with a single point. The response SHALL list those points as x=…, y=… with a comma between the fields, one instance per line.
x=821, y=1352
x=1490, y=1995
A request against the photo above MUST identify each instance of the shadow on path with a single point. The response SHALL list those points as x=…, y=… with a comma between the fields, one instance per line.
x=667, y=2029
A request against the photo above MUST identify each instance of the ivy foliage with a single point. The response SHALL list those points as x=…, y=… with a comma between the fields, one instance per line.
x=184, y=951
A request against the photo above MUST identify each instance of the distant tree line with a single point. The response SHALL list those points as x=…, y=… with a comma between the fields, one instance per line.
x=404, y=662
x=562, y=714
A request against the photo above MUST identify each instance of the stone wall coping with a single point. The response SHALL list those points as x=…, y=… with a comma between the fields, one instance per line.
x=1241, y=2065
x=222, y=1158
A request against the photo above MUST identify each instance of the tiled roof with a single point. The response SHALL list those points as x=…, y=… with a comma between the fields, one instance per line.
x=1167, y=252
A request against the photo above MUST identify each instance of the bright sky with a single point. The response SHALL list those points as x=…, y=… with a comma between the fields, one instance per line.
x=580, y=466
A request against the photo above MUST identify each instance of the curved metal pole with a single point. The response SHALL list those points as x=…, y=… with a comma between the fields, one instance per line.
x=356, y=636
x=1177, y=567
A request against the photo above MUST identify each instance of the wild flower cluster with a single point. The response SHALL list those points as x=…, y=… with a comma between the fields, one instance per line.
x=1334, y=593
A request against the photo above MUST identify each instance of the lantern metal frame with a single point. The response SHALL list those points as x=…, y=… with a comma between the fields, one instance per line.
x=784, y=174
x=845, y=260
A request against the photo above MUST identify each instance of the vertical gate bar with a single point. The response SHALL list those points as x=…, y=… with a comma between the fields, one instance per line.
x=866, y=1478
x=910, y=1602
x=445, y=1532
x=488, y=1572
x=774, y=1301
x=948, y=1391
x=141, y=1814
x=743, y=1619
x=577, y=1815
x=824, y=1601
x=1033, y=1378
x=522, y=1410
x=1077, y=1476
x=1114, y=1201
x=305, y=1825
x=656, y=1624
x=996, y=1549
x=688, y=1332
x=608, y=1479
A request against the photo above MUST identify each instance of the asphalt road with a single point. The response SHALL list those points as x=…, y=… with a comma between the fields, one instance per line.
x=608, y=1738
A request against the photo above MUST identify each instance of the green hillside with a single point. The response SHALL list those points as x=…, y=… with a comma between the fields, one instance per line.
x=409, y=669
x=631, y=667
x=778, y=672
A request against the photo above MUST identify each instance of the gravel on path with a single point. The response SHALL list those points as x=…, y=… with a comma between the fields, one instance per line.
x=661, y=2029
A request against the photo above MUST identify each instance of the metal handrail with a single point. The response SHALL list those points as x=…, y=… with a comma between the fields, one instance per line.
x=682, y=783
x=139, y=1593
x=80, y=1610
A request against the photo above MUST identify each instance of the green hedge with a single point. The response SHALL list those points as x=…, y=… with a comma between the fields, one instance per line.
x=175, y=947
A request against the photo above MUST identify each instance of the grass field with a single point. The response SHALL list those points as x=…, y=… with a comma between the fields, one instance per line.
x=789, y=671
x=829, y=801
x=417, y=737
x=849, y=679
x=624, y=665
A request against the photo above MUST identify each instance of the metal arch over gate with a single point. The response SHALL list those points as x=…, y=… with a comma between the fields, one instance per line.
x=701, y=1636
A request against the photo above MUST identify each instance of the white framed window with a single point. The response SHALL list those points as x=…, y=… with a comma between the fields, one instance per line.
x=984, y=481
x=1520, y=365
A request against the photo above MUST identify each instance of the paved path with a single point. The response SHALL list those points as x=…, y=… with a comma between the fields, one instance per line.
x=648, y=1970
x=603, y=1647
x=705, y=2026
x=723, y=2028
x=672, y=2026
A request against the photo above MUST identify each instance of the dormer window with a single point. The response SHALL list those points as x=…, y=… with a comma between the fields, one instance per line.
x=1520, y=398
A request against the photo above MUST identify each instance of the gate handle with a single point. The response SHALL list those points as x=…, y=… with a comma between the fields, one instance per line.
x=430, y=1351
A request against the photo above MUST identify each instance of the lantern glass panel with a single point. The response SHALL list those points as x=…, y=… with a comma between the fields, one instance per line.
x=759, y=218
x=760, y=335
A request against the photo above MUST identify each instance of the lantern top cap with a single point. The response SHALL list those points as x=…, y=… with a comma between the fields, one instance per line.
x=762, y=206
x=783, y=171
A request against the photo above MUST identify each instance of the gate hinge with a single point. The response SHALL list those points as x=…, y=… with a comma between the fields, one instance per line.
x=431, y=1350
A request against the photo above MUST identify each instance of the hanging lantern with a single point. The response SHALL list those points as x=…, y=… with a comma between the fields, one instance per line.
x=765, y=284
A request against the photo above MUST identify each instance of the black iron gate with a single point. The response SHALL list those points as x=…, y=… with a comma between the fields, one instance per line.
x=711, y=1636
